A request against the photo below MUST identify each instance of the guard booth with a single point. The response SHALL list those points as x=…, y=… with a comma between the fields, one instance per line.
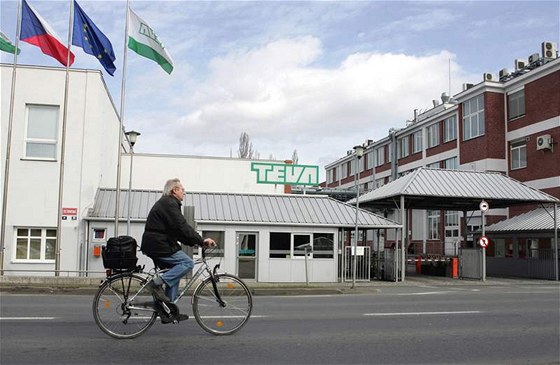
x=453, y=190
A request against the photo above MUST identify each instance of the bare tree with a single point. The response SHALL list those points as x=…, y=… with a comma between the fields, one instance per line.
x=245, y=147
x=295, y=157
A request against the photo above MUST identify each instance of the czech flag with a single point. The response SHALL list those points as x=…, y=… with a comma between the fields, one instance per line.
x=36, y=31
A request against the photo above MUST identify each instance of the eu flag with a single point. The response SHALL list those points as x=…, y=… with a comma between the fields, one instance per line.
x=92, y=40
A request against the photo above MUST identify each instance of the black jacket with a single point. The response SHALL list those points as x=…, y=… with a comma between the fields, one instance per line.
x=164, y=227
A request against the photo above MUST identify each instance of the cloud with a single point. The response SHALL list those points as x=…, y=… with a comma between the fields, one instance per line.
x=278, y=95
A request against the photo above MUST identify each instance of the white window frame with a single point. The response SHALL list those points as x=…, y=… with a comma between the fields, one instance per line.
x=433, y=135
x=451, y=223
x=450, y=129
x=473, y=118
x=380, y=156
x=343, y=170
x=40, y=141
x=434, y=222
x=451, y=163
x=43, y=238
x=403, y=144
x=519, y=150
x=516, y=104
x=370, y=160
x=417, y=142
x=390, y=152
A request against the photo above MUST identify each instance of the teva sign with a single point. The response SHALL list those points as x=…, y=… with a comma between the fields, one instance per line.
x=272, y=173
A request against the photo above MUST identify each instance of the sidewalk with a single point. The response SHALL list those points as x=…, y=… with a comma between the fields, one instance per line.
x=88, y=286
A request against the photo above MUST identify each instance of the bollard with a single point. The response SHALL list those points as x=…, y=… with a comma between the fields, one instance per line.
x=455, y=268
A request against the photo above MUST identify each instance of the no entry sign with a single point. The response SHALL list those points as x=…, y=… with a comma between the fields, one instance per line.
x=483, y=241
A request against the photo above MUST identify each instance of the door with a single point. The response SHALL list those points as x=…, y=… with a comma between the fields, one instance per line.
x=247, y=255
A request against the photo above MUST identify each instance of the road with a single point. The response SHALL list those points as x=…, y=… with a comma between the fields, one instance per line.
x=396, y=325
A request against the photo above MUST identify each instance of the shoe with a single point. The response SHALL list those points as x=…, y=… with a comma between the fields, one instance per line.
x=157, y=290
x=178, y=318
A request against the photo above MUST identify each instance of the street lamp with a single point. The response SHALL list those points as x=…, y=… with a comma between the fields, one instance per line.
x=132, y=136
x=359, y=152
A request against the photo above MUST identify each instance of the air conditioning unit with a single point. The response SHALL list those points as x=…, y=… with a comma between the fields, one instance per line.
x=519, y=65
x=544, y=142
x=466, y=87
x=548, y=49
x=503, y=73
x=487, y=76
x=534, y=58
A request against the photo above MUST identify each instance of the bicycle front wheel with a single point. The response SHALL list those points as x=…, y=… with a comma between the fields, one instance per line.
x=228, y=313
x=124, y=307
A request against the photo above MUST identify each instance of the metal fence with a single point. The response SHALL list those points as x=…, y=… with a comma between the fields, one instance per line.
x=470, y=263
x=363, y=263
x=539, y=265
x=391, y=259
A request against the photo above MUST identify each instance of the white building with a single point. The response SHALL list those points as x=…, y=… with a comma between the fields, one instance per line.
x=90, y=168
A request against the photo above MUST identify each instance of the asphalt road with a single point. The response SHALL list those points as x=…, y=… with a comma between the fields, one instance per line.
x=397, y=325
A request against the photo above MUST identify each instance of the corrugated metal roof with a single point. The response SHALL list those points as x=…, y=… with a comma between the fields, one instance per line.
x=459, y=188
x=230, y=208
x=540, y=219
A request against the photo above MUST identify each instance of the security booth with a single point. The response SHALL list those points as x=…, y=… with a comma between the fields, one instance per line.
x=280, y=238
x=419, y=199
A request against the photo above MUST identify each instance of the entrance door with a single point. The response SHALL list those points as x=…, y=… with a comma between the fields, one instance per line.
x=247, y=255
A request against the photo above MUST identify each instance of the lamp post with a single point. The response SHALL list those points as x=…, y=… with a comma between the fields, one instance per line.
x=132, y=136
x=359, y=152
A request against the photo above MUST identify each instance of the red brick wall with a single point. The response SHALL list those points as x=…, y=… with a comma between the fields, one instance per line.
x=542, y=101
x=410, y=158
x=491, y=144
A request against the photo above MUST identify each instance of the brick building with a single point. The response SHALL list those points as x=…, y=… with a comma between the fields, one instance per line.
x=508, y=124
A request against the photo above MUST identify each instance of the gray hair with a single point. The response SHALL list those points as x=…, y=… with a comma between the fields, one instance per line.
x=170, y=185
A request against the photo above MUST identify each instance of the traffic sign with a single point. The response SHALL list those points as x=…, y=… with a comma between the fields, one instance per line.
x=483, y=241
x=484, y=206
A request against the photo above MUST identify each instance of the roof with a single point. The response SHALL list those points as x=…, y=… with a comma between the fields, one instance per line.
x=427, y=188
x=231, y=208
x=540, y=219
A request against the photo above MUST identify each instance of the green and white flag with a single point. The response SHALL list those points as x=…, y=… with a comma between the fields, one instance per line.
x=6, y=45
x=143, y=40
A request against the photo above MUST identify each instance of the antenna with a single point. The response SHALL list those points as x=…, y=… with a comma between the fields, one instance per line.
x=449, y=76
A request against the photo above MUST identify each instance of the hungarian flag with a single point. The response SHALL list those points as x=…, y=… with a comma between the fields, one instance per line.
x=6, y=45
x=143, y=40
x=36, y=31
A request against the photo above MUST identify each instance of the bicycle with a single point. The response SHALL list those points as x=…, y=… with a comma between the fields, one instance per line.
x=124, y=307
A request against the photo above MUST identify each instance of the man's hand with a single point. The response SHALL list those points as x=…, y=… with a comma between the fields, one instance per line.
x=209, y=242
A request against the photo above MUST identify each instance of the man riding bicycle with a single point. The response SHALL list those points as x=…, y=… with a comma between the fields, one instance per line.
x=165, y=228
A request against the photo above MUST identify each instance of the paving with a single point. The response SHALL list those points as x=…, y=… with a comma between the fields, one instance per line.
x=89, y=285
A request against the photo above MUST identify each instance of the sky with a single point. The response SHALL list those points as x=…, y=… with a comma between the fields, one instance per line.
x=318, y=77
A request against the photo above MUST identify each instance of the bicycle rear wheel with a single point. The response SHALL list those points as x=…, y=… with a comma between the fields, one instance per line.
x=122, y=308
x=228, y=318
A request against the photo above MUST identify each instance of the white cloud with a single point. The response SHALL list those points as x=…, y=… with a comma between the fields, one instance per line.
x=277, y=95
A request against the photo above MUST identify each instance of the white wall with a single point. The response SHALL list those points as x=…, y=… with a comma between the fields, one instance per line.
x=198, y=173
x=90, y=157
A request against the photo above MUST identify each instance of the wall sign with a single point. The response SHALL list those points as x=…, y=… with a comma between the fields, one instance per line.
x=272, y=173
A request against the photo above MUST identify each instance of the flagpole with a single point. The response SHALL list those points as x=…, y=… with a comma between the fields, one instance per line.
x=121, y=127
x=3, y=232
x=63, y=147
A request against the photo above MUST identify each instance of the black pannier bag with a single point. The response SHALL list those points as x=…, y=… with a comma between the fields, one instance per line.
x=120, y=253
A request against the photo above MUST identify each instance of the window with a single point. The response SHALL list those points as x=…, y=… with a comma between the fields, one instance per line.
x=379, y=182
x=473, y=117
x=533, y=245
x=451, y=164
x=217, y=236
x=518, y=155
x=403, y=150
x=300, y=240
x=433, y=135
x=449, y=129
x=370, y=157
x=344, y=169
x=451, y=224
x=280, y=245
x=516, y=104
x=35, y=244
x=390, y=152
x=434, y=165
x=323, y=245
x=417, y=142
x=380, y=156
x=351, y=168
x=42, y=131
x=433, y=224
